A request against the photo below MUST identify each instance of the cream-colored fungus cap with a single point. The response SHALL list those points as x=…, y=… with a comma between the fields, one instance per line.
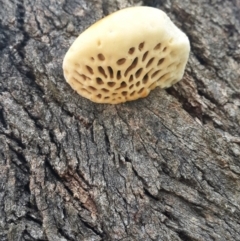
x=125, y=55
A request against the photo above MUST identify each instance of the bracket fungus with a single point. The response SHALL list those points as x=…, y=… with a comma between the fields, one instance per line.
x=125, y=55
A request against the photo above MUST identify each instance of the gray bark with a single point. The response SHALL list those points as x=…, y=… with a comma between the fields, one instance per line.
x=166, y=167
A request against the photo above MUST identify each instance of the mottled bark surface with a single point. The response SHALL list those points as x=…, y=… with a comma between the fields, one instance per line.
x=166, y=167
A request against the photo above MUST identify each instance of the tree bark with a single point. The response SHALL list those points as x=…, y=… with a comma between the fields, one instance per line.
x=166, y=167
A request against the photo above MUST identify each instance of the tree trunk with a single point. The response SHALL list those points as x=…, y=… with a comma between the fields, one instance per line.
x=166, y=167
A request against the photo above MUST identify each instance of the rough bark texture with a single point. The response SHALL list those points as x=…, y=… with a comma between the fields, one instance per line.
x=166, y=167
